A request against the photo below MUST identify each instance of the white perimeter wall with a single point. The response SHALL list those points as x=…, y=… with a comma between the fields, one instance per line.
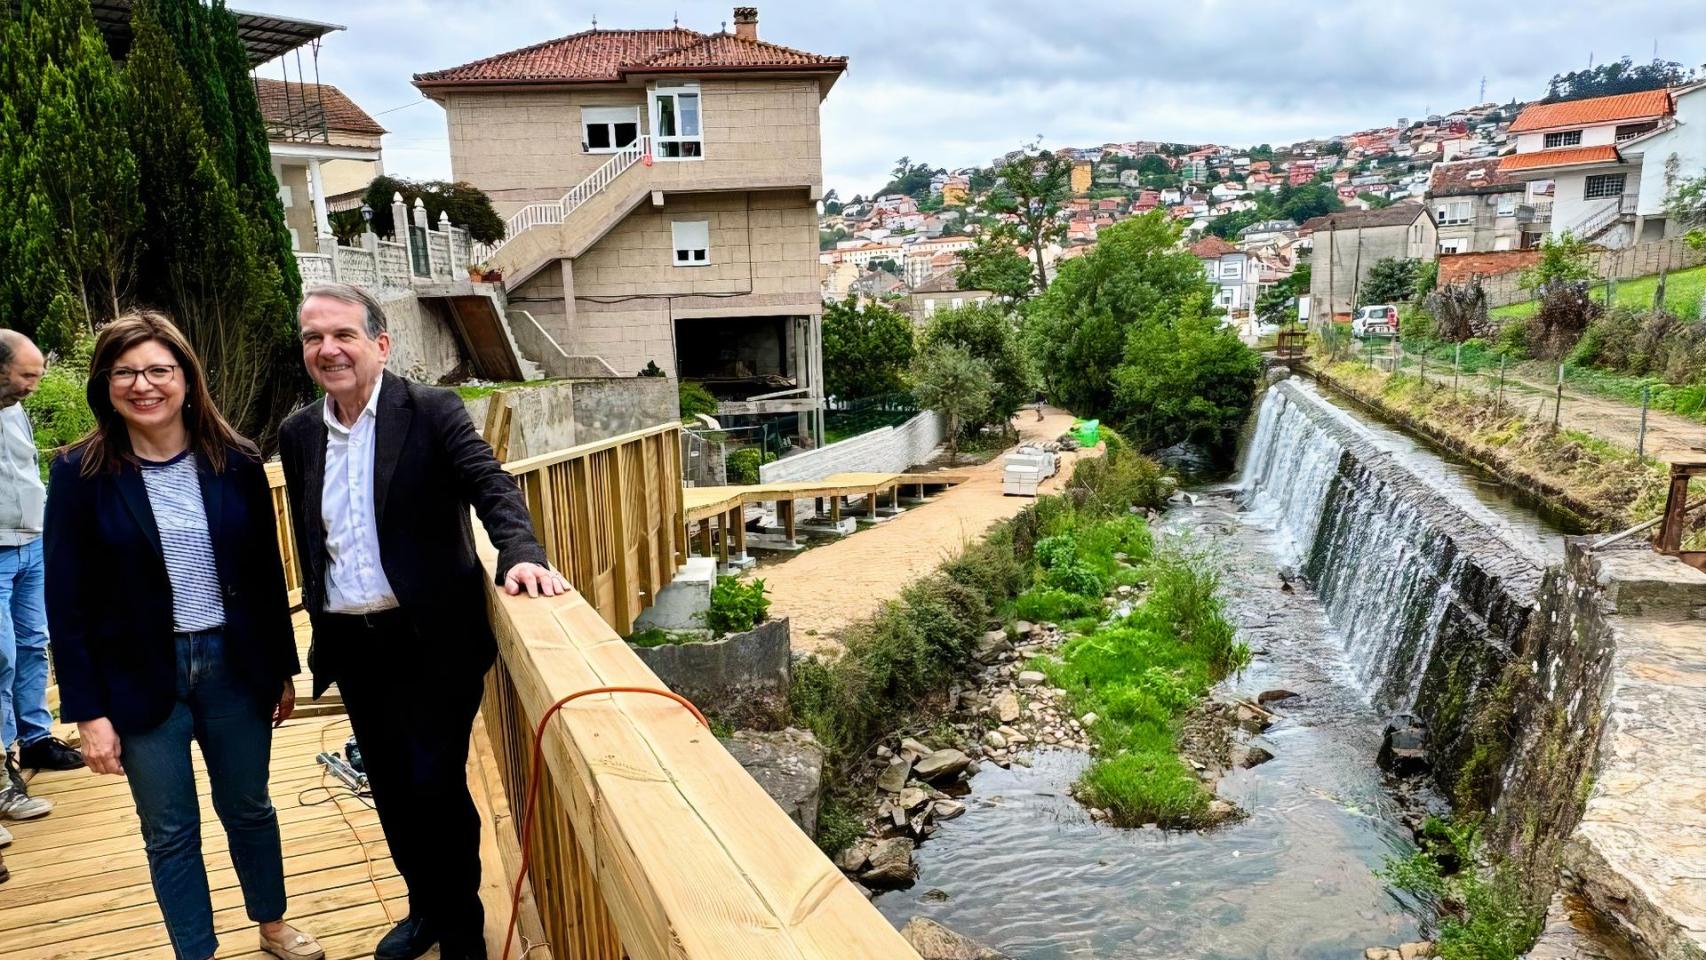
x=884, y=450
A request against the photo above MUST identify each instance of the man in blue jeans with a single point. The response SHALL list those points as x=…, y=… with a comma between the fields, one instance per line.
x=24, y=716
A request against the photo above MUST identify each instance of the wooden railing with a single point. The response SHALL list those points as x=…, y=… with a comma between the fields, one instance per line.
x=286, y=535
x=611, y=518
x=649, y=841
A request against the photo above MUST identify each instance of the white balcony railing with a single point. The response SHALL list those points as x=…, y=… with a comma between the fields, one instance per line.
x=556, y=211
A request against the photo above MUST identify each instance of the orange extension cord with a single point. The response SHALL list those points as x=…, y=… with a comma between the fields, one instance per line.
x=533, y=785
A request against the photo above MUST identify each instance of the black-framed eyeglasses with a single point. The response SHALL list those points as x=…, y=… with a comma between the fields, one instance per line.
x=159, y=374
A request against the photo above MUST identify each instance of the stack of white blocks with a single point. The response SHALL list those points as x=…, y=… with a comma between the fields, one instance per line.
x=1024, y=468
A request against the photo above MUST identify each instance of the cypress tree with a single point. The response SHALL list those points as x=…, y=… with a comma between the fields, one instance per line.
x=68, y=181
x=203, y=259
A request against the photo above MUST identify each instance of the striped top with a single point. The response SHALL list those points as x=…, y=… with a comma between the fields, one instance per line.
x=174, y=494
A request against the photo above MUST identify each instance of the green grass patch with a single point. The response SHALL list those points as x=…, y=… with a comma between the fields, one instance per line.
x=1683, y=289
x=1484, y=913
x=1140, y=675
x=658, y=637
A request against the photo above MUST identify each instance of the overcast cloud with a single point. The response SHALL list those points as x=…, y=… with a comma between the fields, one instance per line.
x=956, y=84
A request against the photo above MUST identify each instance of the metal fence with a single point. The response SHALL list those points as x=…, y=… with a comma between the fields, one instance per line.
x=852, y=417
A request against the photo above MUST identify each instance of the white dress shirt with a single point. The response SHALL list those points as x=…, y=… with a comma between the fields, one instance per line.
x=355, y=580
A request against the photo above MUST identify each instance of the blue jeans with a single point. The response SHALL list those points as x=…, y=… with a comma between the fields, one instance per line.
x=23, y=647
x=234, y=730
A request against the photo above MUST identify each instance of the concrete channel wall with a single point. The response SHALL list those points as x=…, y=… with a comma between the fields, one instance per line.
x=884, y=450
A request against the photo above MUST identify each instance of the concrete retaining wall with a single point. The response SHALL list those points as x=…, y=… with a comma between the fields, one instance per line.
x=553, y=416
x=423, y=347
x=885, y=450
x=743, y=676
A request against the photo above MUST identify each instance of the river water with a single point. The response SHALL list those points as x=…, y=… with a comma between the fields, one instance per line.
x=1027, y=872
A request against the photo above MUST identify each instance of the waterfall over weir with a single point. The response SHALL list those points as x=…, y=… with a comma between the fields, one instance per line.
x=1401, y=564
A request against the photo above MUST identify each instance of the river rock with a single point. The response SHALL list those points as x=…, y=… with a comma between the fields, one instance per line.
x=992, y=646
x=894, y=777
x=936, y=942
x=947, y=809
x=911, y=798
x=1412, y=951
x=1251, y=755
x=942, y=765
x=1274, y=696
x=1023, y=627
x=1032, y=678
x=1253, y=718
x=994, y=740
x=788, y=764
x=1007, y=707
x=1087, y=719
x=890, y=864
x=1404, y=745
x=854, y=858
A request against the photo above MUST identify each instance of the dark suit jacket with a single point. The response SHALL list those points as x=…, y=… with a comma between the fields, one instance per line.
x=109, y=602
x=429, y=467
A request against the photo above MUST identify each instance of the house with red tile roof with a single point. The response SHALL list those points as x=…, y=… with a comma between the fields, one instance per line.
x=1231, y=272
x=1479, y=207
x=325, y=151
x=660, y=188
x=1589, y=152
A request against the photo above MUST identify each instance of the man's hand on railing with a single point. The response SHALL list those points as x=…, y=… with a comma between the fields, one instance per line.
x=539, y=581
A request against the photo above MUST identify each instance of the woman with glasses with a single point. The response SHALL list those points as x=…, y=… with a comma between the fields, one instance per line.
x=170, y=622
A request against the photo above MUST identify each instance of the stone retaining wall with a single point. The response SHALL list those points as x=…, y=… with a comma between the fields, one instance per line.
x=884, y=450
x=1501, y=271
x=742, y=677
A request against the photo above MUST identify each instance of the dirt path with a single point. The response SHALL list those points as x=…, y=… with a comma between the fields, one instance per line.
x=828, y=587
x=1670, y=437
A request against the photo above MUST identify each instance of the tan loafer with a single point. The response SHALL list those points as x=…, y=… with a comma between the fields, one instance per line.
x=293, y=945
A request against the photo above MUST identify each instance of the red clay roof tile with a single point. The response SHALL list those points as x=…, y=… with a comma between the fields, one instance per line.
x=608, y=55
x=1567, y=156
x=283, y=101
x=1570, y=113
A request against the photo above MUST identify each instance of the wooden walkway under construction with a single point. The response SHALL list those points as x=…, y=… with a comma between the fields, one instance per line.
x=80, y=891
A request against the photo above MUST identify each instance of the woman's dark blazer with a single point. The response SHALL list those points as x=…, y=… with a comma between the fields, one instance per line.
x=109, y=602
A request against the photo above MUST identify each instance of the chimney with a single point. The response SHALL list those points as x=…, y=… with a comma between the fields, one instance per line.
x=746, y=22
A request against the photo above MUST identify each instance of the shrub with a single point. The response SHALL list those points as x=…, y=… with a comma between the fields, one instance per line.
x=695, y=400
x=1111, y=484
x=59, y=409
x=742, y=465
x=1486, y=916
x=1077, y=577
x=736, y=605
x=1566, y=309
x=990, y=568
x=1052, y=605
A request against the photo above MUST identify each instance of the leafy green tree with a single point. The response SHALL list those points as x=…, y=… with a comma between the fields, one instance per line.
x=1687, y=204
x=1562, y=258
x=1227, y=225
x=994, y=263
x=1308, y=201
x=912, y=179
x=1032, y=187
x=886, y=265
x=948, y=379
x=866, y=349
x=467, y=205
x=202, y=258
x=1153, y=164
x=831, y=202
x=1374, y=200
x=1618, y=76
x=1185, y=380
x=1076, y=331
x=990, y=333
x=1390, y=280
x=1278, y=303
x=68, y=179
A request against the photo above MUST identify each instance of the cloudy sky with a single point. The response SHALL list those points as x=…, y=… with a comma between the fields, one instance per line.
x=956, y=84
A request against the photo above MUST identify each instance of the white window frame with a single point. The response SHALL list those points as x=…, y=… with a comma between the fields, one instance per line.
x=1456, y=212
x=661, y=142
x=690, y=237
x=1453, y=246
x=1507, y=205
x=608, y=117
x=1588, y=183
x=1231, y=270
x=1562, y=138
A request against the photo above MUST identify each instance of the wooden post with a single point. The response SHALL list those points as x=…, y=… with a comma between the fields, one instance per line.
x=497, y=424
x=622, y=580
x=737, y=517
x=835, y=509
x=723, y=535
x=786, y=508
x=817, y=507
x=871, y=504
x=705, y=537
x=1676, y=509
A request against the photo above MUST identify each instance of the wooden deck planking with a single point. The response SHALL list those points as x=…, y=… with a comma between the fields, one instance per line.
x=80, y=888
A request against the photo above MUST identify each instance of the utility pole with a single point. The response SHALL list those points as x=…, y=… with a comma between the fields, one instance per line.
x=1483, y=97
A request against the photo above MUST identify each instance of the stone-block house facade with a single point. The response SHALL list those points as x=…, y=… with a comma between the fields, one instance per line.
x=661, y=191
x=1478, y=208
x=1347, y=244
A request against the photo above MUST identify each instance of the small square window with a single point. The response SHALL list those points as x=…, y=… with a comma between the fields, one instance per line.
x=1603, y=185
x=692, y=242
x=1564, y=138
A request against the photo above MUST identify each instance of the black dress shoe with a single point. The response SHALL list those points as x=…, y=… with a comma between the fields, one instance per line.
x=49, y=753
x=407, y=940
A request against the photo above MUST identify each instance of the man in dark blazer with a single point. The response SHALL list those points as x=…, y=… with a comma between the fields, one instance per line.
x=381, y=475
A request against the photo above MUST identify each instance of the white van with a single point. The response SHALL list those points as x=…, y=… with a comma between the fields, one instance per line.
x=1375, y=320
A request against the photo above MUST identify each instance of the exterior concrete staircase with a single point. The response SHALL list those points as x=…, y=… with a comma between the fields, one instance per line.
x=477, y=314
x=533, y=235
x=1597, y=222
